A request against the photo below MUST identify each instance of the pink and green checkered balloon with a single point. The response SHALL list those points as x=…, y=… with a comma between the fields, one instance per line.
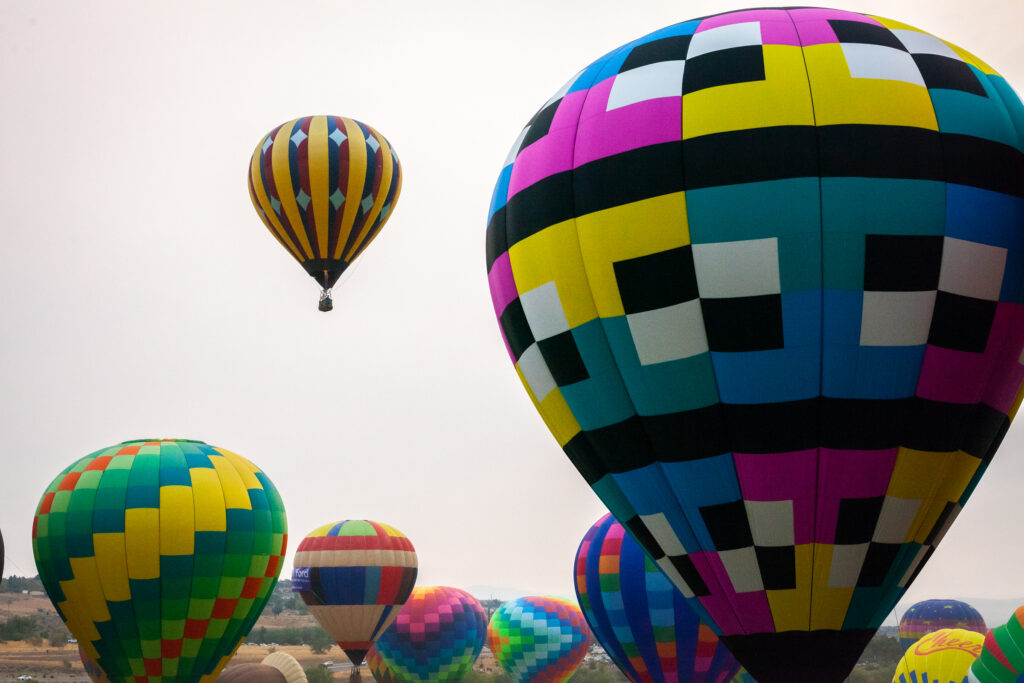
x=538, y=638
x=436, y=637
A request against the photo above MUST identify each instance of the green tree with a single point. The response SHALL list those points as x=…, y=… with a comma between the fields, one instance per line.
x=320, y=642
x=318, y=674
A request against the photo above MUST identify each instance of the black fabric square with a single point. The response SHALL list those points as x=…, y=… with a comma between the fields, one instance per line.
x=670, y=49
x=540, y=124
x=877, y=564
x=778, y=567
x=727, y=524
x=688, y=570
x=857, y=519
x=689, y=434
x=859, y=32
x=937, y=426
x=949, y=74
x=987, y=164
x=748, y=156
x=622, y=446
x=961, y=322
x=773, y=427
x=563, y=359
x=724, y=67
x=643, y=537
x=516, y=329
x=657, y=280
x=945, y=517
x=749, y=323
x=584, y=458
x=856, y=150
x=902, y=263
x=985, y=430
x=545, y=203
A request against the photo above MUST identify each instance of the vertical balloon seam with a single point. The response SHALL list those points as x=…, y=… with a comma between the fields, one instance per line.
x=295, y=171
x=365, y=187
x=318, y=157
x=280, y=161
x=394, y=190
x=357, y=169
x=261, y=194
x=268, y=174
x=376, y=179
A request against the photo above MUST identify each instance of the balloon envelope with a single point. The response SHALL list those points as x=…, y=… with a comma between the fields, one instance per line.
x=160, y=555
x=945, y=656
x=251, y=673
x=1002, y=658
x=378, y=667
x=638, y=616
x=929, y=616
x=93, y=671
x=761, y=274
x=354, y=575
x=287, y=665
x=436, y=636
x=324, y=186
x=538, y=639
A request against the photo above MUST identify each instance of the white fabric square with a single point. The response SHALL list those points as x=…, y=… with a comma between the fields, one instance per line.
x=674, y=576
x=733, y=269
x=662, y=532
x=741, y=566
x=514, y=152
x=895, y=519
x=896, y=318
x=724, y=37
x=924, y=44
x=661, y=79
x=879, y=61
x=563, y=91
x=543, y=310
x=668, y=333
x=771, y=522
x=846, y=563
x=972, y=269
x=918, y=558
x=536, y=373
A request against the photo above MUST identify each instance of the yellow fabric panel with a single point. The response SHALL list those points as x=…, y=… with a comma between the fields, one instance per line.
x=177, y=520
x=350, y=623
x=322, y=530
x=552, y=254
x=1016, y=403
x=624, y=232
x=378, y=201
x=76, y=618
x=791, y=608
x=356, y=180
x=935, y=479
x=280, y=165
x=390, y=530
x=112, y=563
x=258, y=193
x=90, y=590
x=829, y=605
x=892, y=23
x=319, y=167
x=236, y=495
x=398, y=192
x=142, y=542
x=844, y=99
x=246, y=470
x=782, y=99
x=973, y=60
x=555, y=412
x=209, y=513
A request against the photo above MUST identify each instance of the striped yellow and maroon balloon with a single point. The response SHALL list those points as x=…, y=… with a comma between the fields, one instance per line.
x=159, y=556
x=324, y=186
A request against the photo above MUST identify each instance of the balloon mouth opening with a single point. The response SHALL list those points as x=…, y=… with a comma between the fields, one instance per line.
x=162, y=441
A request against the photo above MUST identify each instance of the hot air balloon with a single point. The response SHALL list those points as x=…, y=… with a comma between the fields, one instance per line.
x=354, y=575
x=1002, y=658
x=538, y=638
x=378, y=667
x=287, y=665
x=943, y=656
x=929, y=616
x=638, y=616
x=324, y=186
x=277, y=667
x=761, y=274
x=160, y=555
x=436, y=636
x=743, y=677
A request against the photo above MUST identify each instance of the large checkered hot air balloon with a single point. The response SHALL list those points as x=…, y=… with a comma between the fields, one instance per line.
x=539, y=639
x=436, y=636
x=638, y=616
x=160, y=556
x=761, y=274
x=354, y=575
x=324, y=186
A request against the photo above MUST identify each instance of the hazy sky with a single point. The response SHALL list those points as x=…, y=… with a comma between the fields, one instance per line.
x=141, y=296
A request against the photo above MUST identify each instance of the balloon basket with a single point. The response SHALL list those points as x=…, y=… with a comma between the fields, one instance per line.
x=326, y=303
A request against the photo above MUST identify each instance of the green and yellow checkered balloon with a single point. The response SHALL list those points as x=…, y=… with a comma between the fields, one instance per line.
x=160, y=555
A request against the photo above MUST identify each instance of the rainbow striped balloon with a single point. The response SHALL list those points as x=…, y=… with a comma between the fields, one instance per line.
x=355, y=575
x=643, y=622
x=538, y=639
x=160, y=556
x=437, y=635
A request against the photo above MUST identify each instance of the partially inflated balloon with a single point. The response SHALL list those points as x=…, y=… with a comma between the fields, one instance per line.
x=251, y=673
x=761, y=274
x=324, y=187
x=436, y=636
x=160, y=555
x=354, y=575
x=287, y=665
x=943, y=656
x=929, y=616
x=1002, y=658
x=538, y=639
x=638, y=616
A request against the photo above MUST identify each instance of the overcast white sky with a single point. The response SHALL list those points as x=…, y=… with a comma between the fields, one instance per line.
x=141, y=296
